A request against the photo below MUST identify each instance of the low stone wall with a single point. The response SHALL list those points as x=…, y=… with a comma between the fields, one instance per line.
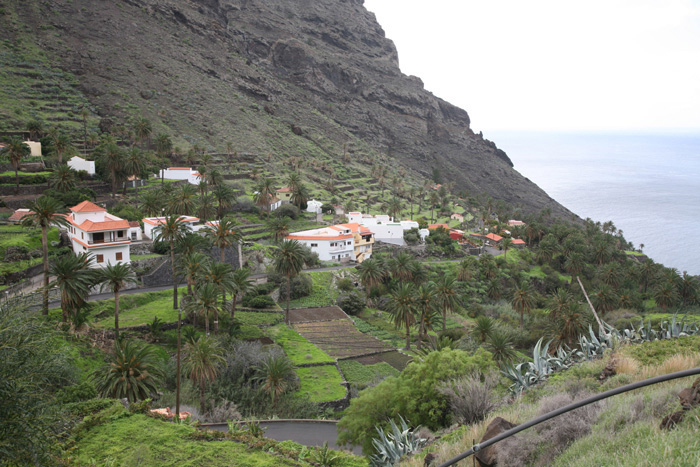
x=13, y=277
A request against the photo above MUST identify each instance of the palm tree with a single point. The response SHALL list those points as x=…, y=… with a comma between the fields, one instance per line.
x=575, y=263
x=264, y=191
x=43, y=213
x=62, y=144
x=15, y=151
x=434, y=200
x=203, y=358
x=134, y=163
x=74, y=278
x=300, y=195
x=402, y=307
x=394, y=208
x=500, y=345
x=224, y=199
x=372, y=273
x=567, y=325
x=143, y=129
x=163, y=147
x=223, y=234
x=240, y=285
x=113, y=159
x=293, y=180
x=465, y=269
x=279, y=226
x=171, y=230
x=400, y=267
x=665, y=295
x=605, y=298
x=483, y=329
x=547, y=248
x=134, y=372
x=205, y=207
x=62, y=178
x=194, y=265
x=425, y=302
x=35, y=128
x=523, y=301
x=206, y=301
x=151, y=203
x=447, y=296
x=559, y=302
x=115, y=277
x=275, y=372
x=289, y=261
x=184, y=201
x=221, y=275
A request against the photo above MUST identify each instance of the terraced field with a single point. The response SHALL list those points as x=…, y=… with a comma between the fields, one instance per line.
x=339, y=338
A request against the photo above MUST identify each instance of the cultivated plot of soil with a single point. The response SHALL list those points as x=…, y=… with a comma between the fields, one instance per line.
x=340, y=338
x=395, y=359
x=326, y=313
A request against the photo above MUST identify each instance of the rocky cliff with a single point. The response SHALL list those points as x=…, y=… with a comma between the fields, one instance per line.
x=308, y=78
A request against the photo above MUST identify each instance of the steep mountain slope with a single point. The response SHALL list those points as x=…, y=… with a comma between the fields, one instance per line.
x=287, y=77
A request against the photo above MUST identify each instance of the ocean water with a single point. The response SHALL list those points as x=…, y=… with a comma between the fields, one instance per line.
x=647, y=184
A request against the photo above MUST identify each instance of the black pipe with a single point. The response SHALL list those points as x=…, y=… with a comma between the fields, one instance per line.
x=555, y=413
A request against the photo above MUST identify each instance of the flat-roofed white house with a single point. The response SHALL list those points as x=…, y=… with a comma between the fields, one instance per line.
x=77, y=163
x=343, y=242
x=384, y=227
x=314, y=206
x=330, y=244
x=151, y=223
x=181, y=173
x=94, y=231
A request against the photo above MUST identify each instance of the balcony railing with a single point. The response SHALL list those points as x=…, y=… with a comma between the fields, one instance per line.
x=99, y=242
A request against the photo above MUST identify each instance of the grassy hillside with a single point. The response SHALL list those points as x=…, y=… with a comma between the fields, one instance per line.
x=623, y=430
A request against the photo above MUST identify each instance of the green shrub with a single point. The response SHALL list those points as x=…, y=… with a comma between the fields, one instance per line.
x=258, y=301
x=352, y=304
x=287, y=210
x=346, y=284
x=301, y=285
x=77, y=393
x=413, y=394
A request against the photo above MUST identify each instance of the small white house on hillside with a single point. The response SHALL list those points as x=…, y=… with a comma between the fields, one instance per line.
x=104, y=236
x=314, y=206
x=384, y=227
x=181, y=173
x=77, y=163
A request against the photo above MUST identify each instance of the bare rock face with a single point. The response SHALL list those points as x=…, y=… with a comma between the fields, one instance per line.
x=488, y=457
x=209, y=70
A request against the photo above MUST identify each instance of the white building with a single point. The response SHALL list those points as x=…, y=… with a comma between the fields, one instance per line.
x=181, y=173
x=151, y=223
x=135, y=232
x=314, y=206
x=78, y=163
x=34, y=148
x=343, y=242
x=384, y=227
x=102, y=235
x=330, y=244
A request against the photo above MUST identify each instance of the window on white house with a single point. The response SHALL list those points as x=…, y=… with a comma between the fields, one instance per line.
x=314, y=244
x=119, y=256
x=100, y=258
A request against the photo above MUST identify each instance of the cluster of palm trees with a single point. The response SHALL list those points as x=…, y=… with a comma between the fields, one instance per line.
x=412, y=299
x=264, y=192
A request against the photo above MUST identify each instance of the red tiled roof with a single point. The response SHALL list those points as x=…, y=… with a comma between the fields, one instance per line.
x=134, y=224
x=517, y=241
x=87, y=206
x=318, y=237
x=285, y=189
x=494, y=237
x=90, y=226
x=19, y=214
x=435, y=226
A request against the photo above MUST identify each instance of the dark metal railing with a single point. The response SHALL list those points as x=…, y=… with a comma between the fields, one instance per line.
x=555, y=413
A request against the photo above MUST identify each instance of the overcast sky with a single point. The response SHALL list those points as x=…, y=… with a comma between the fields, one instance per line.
x=554, y=65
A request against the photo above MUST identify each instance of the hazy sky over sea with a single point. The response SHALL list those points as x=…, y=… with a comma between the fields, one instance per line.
x=554, y=65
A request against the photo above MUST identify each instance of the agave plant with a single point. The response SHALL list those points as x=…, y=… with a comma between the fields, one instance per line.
x=395, y=444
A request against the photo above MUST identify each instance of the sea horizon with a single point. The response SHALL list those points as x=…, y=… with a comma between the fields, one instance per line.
x=646, y=182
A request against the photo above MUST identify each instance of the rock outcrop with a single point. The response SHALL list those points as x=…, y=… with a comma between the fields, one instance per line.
x=288, y=77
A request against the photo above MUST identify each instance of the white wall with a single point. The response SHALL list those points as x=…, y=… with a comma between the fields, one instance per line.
x=34, y=147
x=180, y=174
x=326, y=252
x=78, y=163
x=109, y=253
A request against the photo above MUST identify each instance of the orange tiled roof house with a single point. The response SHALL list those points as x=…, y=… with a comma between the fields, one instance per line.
x=92, y=230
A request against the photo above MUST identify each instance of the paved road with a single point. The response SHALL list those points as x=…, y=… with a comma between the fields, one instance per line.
x=308, y=433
